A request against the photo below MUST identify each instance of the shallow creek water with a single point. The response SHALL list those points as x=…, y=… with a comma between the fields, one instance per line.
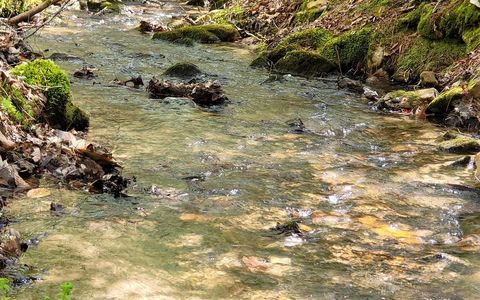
x=369, y=188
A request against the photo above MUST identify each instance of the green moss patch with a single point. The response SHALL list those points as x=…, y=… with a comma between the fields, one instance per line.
x=206, y=34
x=443, y=103
x=56, y=86
x=305, y=63
x=348, y=50
x=424, y=54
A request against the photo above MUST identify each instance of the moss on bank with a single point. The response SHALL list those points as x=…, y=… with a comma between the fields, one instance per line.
x=305, y=63
x=206, y=34
x=59, y=111
x=347, y=51
x=13, y=7
x=13, y=102
x=424, y=54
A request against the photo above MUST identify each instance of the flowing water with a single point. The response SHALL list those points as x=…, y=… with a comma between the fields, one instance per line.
x=378, y=218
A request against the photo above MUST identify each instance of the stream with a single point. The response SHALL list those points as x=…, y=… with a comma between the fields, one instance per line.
x=379, y=213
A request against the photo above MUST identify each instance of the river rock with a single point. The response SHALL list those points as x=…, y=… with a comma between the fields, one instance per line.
x=428, y=79
x=461, y=145
x=350, y=84
x=183, y=70
x=409, y=99
x=10, y=246
x=370, y=94
x=376, y=58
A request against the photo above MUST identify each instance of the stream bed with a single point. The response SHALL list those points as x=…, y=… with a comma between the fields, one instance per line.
x=380, y=211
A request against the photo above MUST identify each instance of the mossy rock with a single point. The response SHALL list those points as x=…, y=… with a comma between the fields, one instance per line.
x=444, y=102
x=348, y=50
x=183, y=70
x=310, y=11
x=304, y=63
x=460, y=145
x=206, y=34
x=409, y=99
x=314, y=38
x=457, y=18
x=308, y=39
x=59, y=111
x=411, y=19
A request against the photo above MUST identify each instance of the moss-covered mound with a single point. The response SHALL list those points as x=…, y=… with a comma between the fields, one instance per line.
x=304, y=63
x=424, y=54
x=349, y=50
x=326, y=52
x=59, y=111
x=206, y=34
x=183, y=70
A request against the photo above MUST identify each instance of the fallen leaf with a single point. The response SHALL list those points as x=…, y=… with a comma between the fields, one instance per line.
x=38, y=193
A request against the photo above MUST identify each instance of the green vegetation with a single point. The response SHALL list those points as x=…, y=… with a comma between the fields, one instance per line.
x=14, y=7
x=65, y=292
x=200, y=33
x=227, y=15
x=305, y=63
x=4, y=288
x=16, y=105
x=349, y=50
x=424, y=54
x=310, y=11
x=59, y=111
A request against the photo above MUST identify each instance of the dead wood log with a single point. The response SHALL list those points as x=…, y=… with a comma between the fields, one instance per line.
x=204, y=94
x=26, y=16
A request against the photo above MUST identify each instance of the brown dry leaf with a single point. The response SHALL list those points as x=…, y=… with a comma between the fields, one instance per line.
x=255, y=264
x=38, y=193
x=195, y=218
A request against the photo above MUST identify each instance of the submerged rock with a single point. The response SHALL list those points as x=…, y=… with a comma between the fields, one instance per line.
x=296, y=126
x=463, y=145
x=86, y=73
x=183, y=70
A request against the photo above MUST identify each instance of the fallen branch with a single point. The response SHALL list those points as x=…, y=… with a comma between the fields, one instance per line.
x=26, y=16
x=203, y=94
